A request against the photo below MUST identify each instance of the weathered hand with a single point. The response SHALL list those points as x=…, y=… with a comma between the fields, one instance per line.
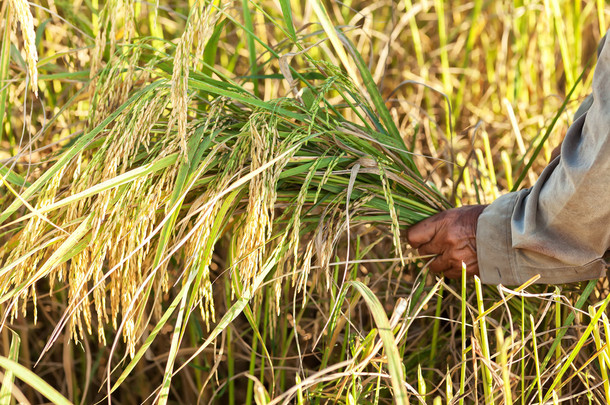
x=556, y=152
x=451, y=235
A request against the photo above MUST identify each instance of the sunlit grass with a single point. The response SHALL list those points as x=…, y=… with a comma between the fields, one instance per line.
x=207, y=201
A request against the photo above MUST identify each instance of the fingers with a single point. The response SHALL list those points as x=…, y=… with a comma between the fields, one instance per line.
x=424, y=231
x=429, y=249
x=456, y=271
x=451, y=267
x=451, y=237
x=440, y=264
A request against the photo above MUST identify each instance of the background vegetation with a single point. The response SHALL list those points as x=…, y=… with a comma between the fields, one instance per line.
x=202, y=202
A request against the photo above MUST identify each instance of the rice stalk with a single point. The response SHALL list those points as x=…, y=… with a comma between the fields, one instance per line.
x=538, y=381
x=9, y=377
x=163, y=196
x=484, y=342
x=4, y=65
x=20, y=12
x=602, y=362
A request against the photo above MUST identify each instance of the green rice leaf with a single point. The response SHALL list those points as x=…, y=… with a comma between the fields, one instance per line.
x=389, y=344
x=9, y=376
x=33, y=381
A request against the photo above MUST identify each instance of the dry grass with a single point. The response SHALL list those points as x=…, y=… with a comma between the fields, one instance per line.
x=205, y=203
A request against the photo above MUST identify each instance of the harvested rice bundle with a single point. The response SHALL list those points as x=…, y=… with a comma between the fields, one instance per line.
x=179, y=161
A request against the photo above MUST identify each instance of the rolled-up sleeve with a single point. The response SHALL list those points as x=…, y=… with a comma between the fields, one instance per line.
x=559, y=228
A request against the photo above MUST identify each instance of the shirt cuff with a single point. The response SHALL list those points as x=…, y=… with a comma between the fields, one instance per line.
x=501, y=263
x=495, y=254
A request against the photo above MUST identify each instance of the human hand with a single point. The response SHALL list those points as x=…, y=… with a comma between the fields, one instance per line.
x=452, y=236
x=556, y=152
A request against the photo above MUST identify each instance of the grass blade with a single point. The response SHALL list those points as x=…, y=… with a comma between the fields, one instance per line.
x=387, y=337
x=4, y=65
x=250, y=41
x=487, y=378
x=33, y=381
x=287, y=14
x=576, y=350
x=9, y=377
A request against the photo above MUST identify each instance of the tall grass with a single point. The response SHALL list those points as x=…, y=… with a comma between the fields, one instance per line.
x=207, y=200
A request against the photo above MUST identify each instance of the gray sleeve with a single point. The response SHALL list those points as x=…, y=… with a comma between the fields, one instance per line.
x=559, y=228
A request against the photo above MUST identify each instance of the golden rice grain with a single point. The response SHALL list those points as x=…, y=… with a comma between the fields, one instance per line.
x=201, y=26
x=21, y=9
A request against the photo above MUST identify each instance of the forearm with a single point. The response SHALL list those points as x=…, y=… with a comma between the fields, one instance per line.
x=560, y=228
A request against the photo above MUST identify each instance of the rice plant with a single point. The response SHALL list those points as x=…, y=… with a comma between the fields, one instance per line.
x=204, y=202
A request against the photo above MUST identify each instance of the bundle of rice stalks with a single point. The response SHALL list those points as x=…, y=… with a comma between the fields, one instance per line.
x=179, y=162
x=209, y=204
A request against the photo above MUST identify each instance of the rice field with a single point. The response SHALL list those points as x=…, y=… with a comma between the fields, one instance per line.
x=206, y=201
